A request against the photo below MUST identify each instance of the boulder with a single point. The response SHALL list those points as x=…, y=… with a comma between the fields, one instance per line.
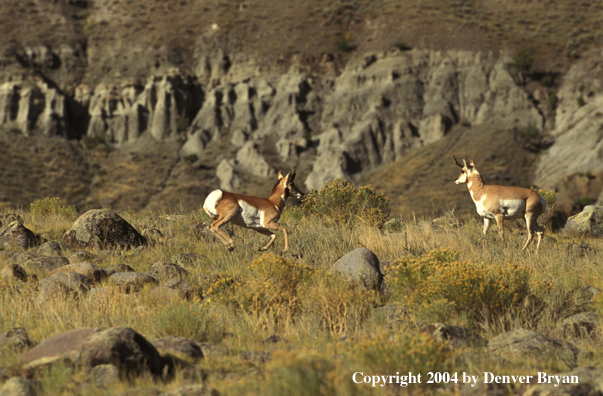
x=63, y=284
x=457, y=336
x=589, y=221
x=122, y=347
x=584, y=324
x=17, y=386
x=178, y=347
x=131, y=281
x=121, y=267
x=21, y=258
x=49, y=249
x=104, y=375
x=523, y=342
x=102, y=229
x=162, y=270
x=17, y=339
x=7, y=218
x=89, y=270
x=79, y=256
x=360, y=266
x=175, y=288
x=13, y=272
x=16, y=235
x=45, y=263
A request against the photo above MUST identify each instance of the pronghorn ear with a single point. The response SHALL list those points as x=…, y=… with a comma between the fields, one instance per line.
x=291, y=175
x=471, y=163
x=280, y=175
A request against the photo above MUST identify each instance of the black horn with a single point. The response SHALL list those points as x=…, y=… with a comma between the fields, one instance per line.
x=457, y=162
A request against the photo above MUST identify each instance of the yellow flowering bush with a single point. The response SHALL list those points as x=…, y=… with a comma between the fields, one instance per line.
x=340, y=202
x=387, y=352
x=439, y=279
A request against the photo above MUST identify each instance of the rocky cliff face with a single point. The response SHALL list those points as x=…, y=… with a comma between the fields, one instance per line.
x=235, y=122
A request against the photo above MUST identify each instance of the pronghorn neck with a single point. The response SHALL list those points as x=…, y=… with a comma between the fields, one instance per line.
x=279, y=196
x=475, y=184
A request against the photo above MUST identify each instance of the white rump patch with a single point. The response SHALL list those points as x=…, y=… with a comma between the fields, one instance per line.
x=210, y=203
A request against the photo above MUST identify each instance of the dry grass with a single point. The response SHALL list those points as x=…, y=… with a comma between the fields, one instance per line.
x=329, y=323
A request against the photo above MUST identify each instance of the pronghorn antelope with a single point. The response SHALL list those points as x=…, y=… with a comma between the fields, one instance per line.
x=259, y=214
x=500, y=203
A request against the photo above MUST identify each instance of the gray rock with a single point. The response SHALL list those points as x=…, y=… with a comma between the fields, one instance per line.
x=7, y=218
x=7, y=254
x=181, y=348
x=581, y=325
x=79, y=256
x=16, y=235
x=13, y=272
x=42, y=264
x=228, y=175
x=360, y=266
x=589, y=221
x=122, y=347
x=175, y=288
x=131, y=281
x=104, y=375
x=17, y=339
x=457, y=336
x=89, y=270
x=17, y=386
x=49, y=249
x=210, y=349
x=102, y=229
x=62, y=285
x=164, y=270
x=21, y=258
x=122, y=268
x=526, y=342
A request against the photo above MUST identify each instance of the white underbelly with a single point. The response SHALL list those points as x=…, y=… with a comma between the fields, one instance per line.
x=509, y=208
x=248, y=216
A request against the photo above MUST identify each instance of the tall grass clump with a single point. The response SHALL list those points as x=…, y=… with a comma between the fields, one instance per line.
x=437, y=284
x=52, y=207
x=339, y=202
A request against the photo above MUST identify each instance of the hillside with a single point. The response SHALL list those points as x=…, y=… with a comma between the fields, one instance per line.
x=150, y=104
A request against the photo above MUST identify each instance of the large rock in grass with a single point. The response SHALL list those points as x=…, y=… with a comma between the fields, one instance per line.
x=93, y=272
x=360, y=266
x=180, y=348
x=122, y=347
x=523, y=342
x=45, y=263
x=13, y=272
x=131, y=281
x=102, y=229
x=163, y=271
x=589, y=221
x=17, y=386
x=50, y=249
x=16, y=235
x=17, y=339
x=63, y=285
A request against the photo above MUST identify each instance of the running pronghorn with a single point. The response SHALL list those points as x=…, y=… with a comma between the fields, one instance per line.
x=500, y=203
x=259, y=214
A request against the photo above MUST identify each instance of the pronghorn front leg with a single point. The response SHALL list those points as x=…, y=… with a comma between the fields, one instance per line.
x=274, y=226
x=486, y=225
x=269, y=233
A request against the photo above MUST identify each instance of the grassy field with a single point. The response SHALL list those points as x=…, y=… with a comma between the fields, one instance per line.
x=436, y=271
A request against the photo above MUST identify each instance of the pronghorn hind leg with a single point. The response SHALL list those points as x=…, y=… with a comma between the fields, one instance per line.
x=499, y=222
x=215, y=229
x=271, y=234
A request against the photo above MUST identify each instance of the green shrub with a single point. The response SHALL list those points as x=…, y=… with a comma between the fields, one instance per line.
x=581, y=101
x=343, y=44
x=189, y=320
x=52, y=206
x=547, y=81
x=553, y=99
x=339, y=202
x=528, y=132
x=437, y=282
x=522, y=61
x=192, y=158
x=402, y=46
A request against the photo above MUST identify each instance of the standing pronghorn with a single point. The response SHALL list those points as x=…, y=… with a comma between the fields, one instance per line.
x=259, y=214
x=500, y=203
